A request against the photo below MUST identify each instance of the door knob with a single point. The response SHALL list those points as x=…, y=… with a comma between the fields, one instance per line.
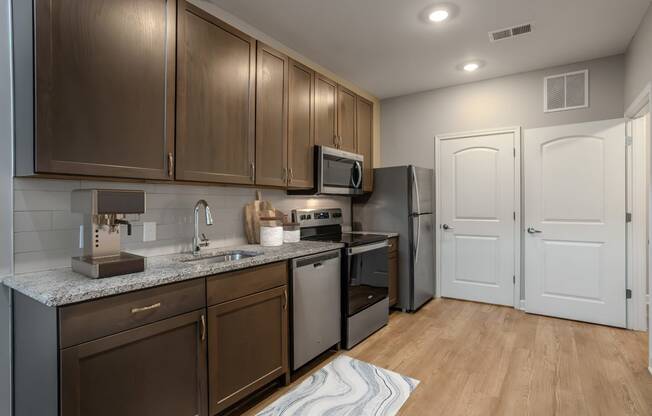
x=446, y=227
x=533, y=230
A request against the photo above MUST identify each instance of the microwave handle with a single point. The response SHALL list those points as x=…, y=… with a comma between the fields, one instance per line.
x=358, y=167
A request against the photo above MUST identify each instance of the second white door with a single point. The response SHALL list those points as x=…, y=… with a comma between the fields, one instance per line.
x=477, y=217
x=575, y=222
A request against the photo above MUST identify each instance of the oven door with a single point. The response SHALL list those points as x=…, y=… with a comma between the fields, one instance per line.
x=366, y=276
x=338, y=172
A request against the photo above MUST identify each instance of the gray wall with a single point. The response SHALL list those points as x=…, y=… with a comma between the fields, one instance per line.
x=6, y=218
x=409, y=123
x=638, y=60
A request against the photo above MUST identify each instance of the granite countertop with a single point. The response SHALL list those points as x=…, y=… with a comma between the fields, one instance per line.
x=389, y=235
x=63, y=286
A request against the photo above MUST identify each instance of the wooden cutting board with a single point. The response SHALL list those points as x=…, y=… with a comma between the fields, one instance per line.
x=253, y=211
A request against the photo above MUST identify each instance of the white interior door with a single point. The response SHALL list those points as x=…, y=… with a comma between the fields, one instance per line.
x=575, y=220
x=477, y=217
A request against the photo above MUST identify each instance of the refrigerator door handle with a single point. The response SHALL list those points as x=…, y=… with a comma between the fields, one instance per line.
x=415, y=184
x=416, y=249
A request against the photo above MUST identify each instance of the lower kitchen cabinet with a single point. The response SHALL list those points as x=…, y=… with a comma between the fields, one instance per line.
x=157, y=351
x=247, y=345
x=247, y=336
x=157, y=369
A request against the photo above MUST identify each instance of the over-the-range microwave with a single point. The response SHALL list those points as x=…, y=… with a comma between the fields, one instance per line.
x=336, y=173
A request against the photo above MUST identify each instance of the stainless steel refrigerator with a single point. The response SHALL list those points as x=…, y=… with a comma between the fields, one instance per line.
x=402, y=201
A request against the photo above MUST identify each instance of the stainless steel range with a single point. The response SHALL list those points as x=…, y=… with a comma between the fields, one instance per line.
x=365, y=303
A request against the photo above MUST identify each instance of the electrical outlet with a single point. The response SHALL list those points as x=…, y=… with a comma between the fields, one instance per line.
x=149, y=231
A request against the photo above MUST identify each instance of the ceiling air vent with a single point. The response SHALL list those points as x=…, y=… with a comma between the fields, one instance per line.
x=510, y=32
x=566, y=91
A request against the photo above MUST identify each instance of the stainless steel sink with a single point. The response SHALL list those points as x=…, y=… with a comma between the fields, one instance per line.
x=222, y=257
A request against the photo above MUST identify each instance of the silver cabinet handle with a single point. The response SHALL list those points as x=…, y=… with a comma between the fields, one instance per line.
x=170, y=165
x=447, y=227
x=146, y=308
x=533, y=230
x=252, y=168
x=202, y=333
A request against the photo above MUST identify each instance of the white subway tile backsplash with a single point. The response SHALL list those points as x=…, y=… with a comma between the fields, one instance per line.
x=41, y=200
x=47, y=233
x=31, y=184
x=45, y=240
x=42, y=260
x=66, y=220
x=32, y=221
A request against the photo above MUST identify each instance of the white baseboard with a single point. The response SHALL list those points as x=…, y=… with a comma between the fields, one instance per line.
x=521, y=305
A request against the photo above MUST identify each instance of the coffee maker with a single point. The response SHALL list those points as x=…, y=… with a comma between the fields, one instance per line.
x=105, y=210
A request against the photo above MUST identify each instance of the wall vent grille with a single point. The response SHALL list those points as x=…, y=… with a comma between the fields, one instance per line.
x=510, y=32
x=567, y=91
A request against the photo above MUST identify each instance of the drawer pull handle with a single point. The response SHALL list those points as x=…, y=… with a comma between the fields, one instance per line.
x=146, y=308
x=203, y=328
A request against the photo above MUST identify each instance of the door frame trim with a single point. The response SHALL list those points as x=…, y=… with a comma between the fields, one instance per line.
x=516, y=131
x=637, y=305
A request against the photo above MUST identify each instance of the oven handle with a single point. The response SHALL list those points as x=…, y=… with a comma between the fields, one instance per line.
x=366, y=248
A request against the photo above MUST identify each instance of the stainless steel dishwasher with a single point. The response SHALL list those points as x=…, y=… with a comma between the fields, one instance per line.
x=316, y=305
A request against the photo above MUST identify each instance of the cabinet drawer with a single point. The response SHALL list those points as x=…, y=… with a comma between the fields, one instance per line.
x=393, y=245
x=230, y=286
x=95, y=319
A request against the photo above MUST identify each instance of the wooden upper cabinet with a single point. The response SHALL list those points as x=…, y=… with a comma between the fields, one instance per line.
x=215, y=100
x=271, y=117
x=301, y=131
x=325, y=111
x=346, y=130
x=105, y=87
x=364, y=125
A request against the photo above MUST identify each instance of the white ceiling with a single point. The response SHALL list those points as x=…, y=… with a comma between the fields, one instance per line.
x=385, y=48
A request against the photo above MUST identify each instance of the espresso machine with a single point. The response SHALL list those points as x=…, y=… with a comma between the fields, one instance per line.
x=105, y=210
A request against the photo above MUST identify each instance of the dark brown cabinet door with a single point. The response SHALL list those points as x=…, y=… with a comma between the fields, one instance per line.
x=346, y=130
x=247, y=345
x=105, y=74
x=271, y=117
x=325, y=112
x=364, y=126
x=215, y=100
x=157, y=369
x=301, y=133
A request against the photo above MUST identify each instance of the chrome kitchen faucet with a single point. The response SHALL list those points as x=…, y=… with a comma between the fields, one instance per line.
x=197, y=242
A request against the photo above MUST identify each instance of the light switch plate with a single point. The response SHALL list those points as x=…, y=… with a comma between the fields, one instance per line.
x=149, y=231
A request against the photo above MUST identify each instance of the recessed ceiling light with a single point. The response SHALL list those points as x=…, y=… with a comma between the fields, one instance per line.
x=438, y=16
x=439, y=13
x=471, y=66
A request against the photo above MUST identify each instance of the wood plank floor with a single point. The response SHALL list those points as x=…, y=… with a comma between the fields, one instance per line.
x=476, y=359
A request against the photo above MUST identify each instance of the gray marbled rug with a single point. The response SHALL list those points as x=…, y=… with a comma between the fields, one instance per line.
x=345, y=387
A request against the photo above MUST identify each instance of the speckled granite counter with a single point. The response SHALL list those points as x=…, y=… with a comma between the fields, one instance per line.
x=62, y=287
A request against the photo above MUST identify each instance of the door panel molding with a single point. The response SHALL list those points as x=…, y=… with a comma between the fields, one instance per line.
x=439, y=139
